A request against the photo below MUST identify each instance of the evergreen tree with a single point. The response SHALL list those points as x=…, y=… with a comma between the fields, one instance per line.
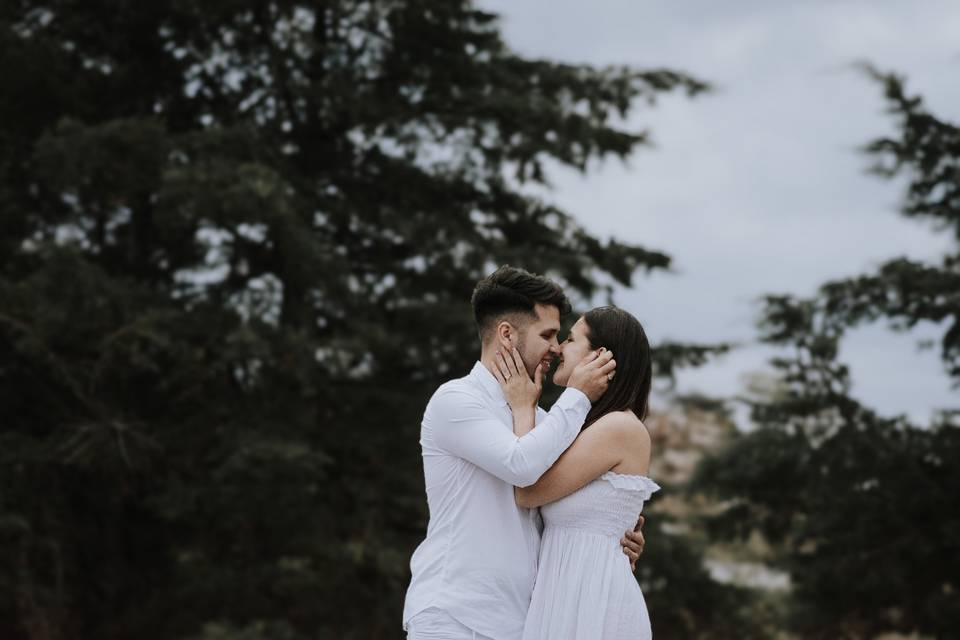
x=863, y=506
x=238, y=242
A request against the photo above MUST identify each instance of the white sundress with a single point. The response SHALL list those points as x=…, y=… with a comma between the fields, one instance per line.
x=585, y=589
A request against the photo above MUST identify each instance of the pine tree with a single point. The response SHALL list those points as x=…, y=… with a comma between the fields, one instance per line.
x=238, y=241
x=863, y=506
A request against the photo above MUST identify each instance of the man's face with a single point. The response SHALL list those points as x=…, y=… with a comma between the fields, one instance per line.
x=537, y=341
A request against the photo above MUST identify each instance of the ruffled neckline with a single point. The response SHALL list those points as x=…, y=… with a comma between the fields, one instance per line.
x=631, y=482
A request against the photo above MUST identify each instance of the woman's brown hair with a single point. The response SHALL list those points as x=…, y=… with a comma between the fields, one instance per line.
x=617, y=331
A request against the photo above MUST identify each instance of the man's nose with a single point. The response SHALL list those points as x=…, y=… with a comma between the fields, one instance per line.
x=555, y=348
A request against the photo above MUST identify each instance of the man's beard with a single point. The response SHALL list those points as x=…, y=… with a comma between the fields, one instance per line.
x=520, y=348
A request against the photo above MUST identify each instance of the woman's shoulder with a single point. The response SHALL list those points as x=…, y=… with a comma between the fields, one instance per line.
x=624, y=424
x=632, y=441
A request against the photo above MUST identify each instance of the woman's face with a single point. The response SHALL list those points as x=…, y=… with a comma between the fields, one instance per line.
x=572, y=351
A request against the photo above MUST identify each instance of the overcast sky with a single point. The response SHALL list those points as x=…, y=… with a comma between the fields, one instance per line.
x=759, y=186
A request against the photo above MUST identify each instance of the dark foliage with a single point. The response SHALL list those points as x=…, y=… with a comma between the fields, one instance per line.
x=863, y=507
x=237, y=245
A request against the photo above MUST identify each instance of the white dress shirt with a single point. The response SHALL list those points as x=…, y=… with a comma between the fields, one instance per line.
x=478, y=562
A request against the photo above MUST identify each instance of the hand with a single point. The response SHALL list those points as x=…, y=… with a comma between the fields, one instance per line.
x=633, y=543
x=520, y=390
x=593, y=374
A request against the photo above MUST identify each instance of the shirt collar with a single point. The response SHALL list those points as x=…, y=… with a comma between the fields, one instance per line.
x=482, y=376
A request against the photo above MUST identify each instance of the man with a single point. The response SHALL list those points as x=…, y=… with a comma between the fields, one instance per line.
x=474, y=573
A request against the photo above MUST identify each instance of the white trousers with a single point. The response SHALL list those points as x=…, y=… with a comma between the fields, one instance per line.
x=436, y=624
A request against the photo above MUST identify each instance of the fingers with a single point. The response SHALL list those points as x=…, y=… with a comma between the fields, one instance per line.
x=629, y=552
x=640, y=521
x=636, y=537
x=501, y=363
x=633, y=542
x=517, y=361
x=538, y=376
x=498, y=375
x=599, y=359
x=609, y=366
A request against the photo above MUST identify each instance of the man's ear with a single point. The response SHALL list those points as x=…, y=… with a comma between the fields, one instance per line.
x=505, y=334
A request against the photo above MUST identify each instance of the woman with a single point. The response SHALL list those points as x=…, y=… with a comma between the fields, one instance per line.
x=584, y=588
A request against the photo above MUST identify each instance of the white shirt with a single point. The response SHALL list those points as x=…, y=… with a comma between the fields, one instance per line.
x=479, y=559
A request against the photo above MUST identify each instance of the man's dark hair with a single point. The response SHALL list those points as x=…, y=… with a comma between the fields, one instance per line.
x=512, y=291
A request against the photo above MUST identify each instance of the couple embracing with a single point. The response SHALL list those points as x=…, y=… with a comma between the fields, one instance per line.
x=535, y=515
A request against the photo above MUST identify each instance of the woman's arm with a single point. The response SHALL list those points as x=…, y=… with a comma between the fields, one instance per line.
x=461, y=422
x=521, y=392
x=595, y=451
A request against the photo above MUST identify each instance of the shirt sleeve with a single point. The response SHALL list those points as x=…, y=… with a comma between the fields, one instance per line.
x=462, y=424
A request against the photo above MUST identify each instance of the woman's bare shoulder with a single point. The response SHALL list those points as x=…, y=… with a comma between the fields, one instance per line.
x=624, y=424
x=632, y=441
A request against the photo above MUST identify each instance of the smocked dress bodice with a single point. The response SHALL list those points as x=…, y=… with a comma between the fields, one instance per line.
x=584, y=588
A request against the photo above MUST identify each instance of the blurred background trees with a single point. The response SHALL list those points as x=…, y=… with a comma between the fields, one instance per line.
x=861, y=508
x=238, y=241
